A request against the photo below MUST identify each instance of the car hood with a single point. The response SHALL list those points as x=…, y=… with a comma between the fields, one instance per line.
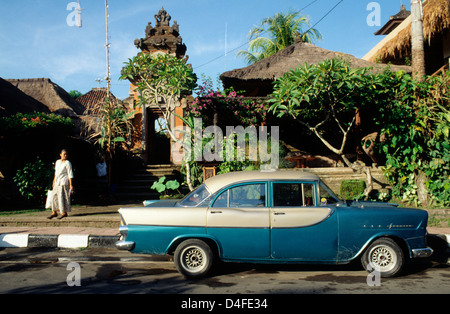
x=383, y=215
x=363, y=204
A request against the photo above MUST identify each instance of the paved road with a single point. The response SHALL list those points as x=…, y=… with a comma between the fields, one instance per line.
x=27, y=270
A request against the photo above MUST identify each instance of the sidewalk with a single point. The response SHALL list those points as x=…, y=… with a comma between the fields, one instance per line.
x=86, y=226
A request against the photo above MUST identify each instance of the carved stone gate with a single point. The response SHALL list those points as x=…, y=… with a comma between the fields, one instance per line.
x=164, y=38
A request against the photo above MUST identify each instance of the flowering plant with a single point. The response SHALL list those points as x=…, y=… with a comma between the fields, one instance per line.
x=230, y=104
x=22, y=121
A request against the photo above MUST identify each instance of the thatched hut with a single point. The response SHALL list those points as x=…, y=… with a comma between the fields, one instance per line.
x=396, y=47
x=13, y=100
x=257, y=79
x=53, y=96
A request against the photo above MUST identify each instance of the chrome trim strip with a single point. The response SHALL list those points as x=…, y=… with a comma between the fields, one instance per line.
x=123, y=230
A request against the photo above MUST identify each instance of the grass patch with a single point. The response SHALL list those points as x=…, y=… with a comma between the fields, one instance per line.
x=22, y=211
x=438, y=221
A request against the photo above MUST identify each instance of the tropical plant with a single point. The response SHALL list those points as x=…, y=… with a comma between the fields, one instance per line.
x=415, y=139
x=163, y=187
x=283, y=30
x=230, y=106
x=323, y=97
x=24, y=124
x=115, y=127
x=161, y=80
x=75, y=94
x=24, y=136
x=34, y=180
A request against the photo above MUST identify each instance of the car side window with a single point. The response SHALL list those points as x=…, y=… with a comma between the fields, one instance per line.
x=287, y=194
x=326, y=196
x=246, y=195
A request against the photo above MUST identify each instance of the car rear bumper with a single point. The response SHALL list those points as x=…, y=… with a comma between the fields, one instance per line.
x=422, y=253
x=123, y=244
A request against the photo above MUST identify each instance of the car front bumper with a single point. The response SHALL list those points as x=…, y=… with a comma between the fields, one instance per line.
x=422, y=253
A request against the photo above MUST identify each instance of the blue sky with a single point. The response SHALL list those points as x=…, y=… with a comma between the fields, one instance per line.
x=36, y=40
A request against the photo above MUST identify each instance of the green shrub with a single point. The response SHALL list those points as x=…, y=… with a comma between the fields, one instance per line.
x=34, y=180
x=352, y=189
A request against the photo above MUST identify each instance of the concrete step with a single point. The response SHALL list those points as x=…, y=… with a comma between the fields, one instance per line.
x=138, y=186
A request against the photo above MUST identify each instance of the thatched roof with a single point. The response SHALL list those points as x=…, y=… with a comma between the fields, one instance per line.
x=436, y=21
x=13, y=100
x=292, y=57
x=394, y=21
x=54, y=97
x=295, y=56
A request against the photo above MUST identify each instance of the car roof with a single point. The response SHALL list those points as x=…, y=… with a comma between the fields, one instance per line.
x=217, y=182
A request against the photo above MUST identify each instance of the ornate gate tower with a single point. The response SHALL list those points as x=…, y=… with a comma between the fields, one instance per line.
x=161, y=39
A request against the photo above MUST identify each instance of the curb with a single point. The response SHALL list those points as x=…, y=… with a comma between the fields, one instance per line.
x=13, y=240
x=57, y=241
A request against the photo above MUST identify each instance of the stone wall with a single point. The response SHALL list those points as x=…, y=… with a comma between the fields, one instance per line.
x=333, y=176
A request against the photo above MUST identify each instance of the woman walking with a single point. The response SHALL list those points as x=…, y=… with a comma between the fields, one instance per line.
x=62, y=186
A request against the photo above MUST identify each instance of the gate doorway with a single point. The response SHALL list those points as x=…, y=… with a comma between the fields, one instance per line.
x=158, y=143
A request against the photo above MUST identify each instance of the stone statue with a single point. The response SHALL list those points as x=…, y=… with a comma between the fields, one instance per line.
x=162, y=18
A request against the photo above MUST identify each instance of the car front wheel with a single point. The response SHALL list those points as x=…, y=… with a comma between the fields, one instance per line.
x=384, y=256
x=193, y=258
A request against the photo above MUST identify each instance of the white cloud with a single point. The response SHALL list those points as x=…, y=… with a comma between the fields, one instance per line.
x=63, y=65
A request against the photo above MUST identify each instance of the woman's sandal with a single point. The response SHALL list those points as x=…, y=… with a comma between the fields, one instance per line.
x=63, y=216
x=53, y=215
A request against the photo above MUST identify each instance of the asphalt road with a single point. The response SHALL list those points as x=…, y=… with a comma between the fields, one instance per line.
x=109, y=271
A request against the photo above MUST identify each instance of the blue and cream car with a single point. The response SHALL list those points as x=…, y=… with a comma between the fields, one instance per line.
x=274, y=217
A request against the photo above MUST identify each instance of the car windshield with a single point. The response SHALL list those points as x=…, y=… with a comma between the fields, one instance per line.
x=327, y=197
x=196, y=197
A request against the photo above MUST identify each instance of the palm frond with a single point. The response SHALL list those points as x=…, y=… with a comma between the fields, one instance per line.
x=283, y=30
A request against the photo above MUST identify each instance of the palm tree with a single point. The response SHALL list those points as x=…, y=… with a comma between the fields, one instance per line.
x=284, y=30
x=417, y=43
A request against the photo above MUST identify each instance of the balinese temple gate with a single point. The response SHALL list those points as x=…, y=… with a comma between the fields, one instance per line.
x=161, y=39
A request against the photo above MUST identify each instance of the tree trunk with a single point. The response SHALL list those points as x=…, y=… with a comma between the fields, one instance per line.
x=417, y=40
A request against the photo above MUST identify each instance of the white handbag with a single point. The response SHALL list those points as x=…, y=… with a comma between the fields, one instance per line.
x=48, y=202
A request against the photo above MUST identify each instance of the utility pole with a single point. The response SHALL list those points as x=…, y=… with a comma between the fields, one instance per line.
x=107, y=77
x=417, y=40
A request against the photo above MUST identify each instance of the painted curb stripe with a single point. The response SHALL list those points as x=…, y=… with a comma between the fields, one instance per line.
x=52, y=241
x=73, y=240
x=14, y=240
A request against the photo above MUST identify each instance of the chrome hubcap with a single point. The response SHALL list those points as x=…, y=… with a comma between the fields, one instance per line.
x=383, y=258
x=193, y=258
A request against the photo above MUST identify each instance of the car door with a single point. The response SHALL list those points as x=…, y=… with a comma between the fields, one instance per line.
x=302, y=228
x=238, y=219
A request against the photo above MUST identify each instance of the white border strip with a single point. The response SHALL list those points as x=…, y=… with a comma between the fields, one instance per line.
x=73, y=240
x=14, y=240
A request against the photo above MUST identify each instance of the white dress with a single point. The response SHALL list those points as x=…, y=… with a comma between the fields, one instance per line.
x=61, y=190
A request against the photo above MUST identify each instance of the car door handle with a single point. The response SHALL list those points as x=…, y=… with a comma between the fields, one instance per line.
x=278, y=213
x=216, y=212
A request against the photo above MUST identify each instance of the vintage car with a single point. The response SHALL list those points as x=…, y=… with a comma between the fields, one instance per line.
x=274, y=217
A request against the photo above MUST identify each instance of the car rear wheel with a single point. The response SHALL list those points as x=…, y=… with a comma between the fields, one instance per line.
x=193, y=258
x=384, y=256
